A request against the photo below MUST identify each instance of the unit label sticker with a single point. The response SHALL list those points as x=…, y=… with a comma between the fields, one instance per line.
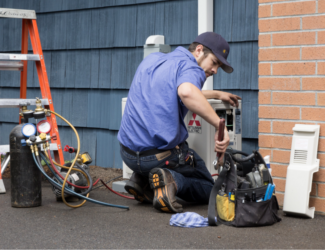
x=195, y=124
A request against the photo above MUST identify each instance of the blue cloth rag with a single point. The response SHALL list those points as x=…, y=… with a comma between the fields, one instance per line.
x=188, y=219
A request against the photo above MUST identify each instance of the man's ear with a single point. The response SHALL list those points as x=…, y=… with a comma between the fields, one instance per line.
x=198, y=50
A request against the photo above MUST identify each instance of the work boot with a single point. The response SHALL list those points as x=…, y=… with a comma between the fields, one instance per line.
x=138, y=186
x=164, y=186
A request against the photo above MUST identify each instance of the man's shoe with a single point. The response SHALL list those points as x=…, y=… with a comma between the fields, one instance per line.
x=164, y=186
x=138, y=186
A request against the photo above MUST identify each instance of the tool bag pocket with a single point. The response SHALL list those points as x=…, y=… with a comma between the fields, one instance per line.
x=254, y=214
x=225, y=208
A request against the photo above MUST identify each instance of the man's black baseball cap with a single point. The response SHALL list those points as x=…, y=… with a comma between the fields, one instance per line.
x=219, y=47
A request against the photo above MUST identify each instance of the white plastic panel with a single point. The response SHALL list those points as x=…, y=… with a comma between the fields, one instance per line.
x=303, y=164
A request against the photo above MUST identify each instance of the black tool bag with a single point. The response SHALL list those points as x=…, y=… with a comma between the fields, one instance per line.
x=245, y=206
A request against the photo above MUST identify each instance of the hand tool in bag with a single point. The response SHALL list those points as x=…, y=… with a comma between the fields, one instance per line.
x=221, y=133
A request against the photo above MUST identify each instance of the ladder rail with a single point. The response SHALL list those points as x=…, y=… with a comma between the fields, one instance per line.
x=44, y=85
x=29, y=27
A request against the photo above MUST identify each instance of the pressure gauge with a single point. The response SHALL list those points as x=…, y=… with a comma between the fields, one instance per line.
x=44, y=127
x=28, y=129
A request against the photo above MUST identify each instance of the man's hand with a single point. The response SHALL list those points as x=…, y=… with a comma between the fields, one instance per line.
x=221, y=146
x=228, y=97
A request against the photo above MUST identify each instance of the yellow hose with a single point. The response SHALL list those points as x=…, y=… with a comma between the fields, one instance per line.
x=65, y=167
x=72, y=164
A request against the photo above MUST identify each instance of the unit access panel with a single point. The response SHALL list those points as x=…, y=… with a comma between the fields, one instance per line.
x=201, y=133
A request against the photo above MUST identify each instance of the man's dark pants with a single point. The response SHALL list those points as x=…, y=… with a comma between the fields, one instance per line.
x=194, y=183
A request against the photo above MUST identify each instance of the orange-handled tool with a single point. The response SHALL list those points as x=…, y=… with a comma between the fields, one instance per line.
x=221, y=133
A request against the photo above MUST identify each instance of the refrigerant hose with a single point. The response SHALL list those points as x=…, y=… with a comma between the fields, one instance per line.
x=73, y=162
x=69, y=191
x=89, y=179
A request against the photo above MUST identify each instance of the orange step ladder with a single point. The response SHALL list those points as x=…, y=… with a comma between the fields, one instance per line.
x=19, y=62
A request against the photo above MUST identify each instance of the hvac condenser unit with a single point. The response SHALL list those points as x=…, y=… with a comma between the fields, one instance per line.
x=201, y=133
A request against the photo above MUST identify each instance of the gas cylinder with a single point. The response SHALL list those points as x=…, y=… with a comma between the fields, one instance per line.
x=26, y=184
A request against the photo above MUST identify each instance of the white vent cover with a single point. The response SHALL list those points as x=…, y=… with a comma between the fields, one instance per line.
x=303, y=164
x=304, y=144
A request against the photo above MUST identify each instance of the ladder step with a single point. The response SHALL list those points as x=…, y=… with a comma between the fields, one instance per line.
x=6, y=148
x=19, y=57
x=11, y=65
x=16, y=13
x=14, y=103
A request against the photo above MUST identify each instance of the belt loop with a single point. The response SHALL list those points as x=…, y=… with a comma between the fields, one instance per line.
x=138, y=158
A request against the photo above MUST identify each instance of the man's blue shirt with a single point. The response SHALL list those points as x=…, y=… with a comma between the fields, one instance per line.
x=154, y=114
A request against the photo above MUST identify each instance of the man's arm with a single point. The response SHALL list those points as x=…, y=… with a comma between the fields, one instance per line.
x=224, y=96
x=195, y=101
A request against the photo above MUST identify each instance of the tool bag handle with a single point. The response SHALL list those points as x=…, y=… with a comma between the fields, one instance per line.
x=213, y=195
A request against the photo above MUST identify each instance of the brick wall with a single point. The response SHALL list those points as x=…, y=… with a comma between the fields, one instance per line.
x=291, y=83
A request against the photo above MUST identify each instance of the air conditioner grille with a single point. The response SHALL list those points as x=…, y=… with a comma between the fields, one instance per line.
x=300, y=156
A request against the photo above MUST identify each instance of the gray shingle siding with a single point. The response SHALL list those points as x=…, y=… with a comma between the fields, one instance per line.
x=93, y=47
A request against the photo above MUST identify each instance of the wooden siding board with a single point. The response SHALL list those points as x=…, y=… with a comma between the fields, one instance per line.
x=59, y=30
x=58, y=69
x=70, y=68
x=83, y=69
x=79, y=107
x=94, y=108
x=135, y=57
x=223, y=18
x=159, y=19
x=251, y=22
x=105, y=150
x=67, y=100
x=125, y=26
x=236, y=20
x=78, y=38
x=10, y=79
x=94, y=68
x=105, y=108
x=126, y=2
x=103, y=27
x=89, y=142
x=180, y=23
x=145, y=23
x=243, y=57
x=254, y=66
x=189, y=21
x=119, y=69
x=105, y=69
x=1, y=32
x=50, y=6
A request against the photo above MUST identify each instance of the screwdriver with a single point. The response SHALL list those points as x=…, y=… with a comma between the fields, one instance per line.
x=220, y=138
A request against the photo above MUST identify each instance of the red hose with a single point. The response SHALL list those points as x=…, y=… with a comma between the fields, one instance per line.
x=128, y=197
x=58, y=173
x=84, y=187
